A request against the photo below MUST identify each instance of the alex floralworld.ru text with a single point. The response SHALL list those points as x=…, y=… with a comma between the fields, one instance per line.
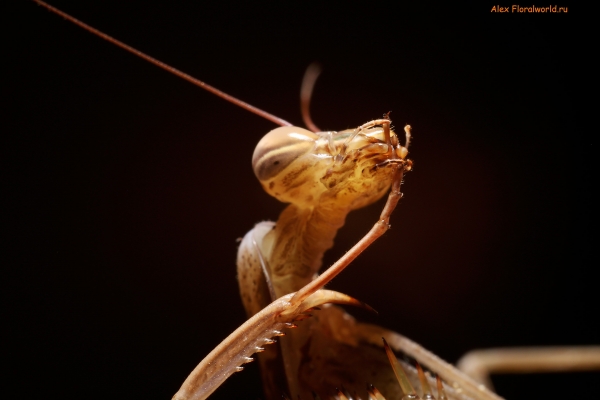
x=530, y=9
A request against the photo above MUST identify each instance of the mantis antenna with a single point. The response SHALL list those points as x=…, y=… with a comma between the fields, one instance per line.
x=308, y=84
x=181, y=74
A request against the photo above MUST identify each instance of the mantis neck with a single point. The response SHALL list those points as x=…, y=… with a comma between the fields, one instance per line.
x=300, y=238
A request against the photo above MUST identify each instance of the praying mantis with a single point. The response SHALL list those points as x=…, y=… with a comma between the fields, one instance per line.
x=354, y=271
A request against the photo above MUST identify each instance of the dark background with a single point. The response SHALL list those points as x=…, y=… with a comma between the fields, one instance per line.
x=127, y=187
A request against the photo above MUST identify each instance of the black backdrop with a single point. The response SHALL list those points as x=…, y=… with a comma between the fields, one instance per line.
x=128, y=186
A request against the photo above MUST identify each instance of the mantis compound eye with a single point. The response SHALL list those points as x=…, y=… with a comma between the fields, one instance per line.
x=279, y=148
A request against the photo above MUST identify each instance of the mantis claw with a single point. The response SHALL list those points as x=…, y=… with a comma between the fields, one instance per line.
x=249, y=338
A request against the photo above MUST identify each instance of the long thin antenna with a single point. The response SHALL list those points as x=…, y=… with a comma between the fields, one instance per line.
x=166, y=67
x=308, y=85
